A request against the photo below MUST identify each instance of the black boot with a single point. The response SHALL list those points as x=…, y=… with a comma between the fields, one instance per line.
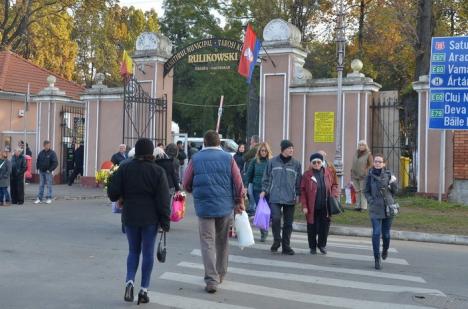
x=384, y=254
x=143, y=297
x=275, y=246
x=129, y=292
x=378, y=263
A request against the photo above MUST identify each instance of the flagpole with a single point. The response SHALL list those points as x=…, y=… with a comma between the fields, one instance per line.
x=220, y=113
x=268, y=55
x=26, y=108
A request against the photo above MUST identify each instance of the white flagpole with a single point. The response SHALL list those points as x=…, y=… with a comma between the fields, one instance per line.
x=26, y=108
x=220, y=113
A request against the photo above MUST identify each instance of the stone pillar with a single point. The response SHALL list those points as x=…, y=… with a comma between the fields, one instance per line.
x=152, y=51
x=429, y=148
x=49, y=102
x=104, y=112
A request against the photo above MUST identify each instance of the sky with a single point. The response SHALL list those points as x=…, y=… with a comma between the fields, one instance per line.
x=145, y=5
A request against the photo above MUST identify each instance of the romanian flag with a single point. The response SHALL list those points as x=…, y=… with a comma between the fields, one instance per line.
x=249, y=54
x=126, y=66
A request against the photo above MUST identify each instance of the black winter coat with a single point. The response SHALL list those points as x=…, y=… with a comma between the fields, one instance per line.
x=46, y=161
x=168, y=166
x=18, y=166
x=379, y=193
x=78, y=157
x=142, y=185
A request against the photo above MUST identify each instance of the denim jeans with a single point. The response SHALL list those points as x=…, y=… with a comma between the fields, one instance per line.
x=141, y=239
x=252, y=201
x=381, y=227
x=45, y=180
x=288, y=217
x=4, y=195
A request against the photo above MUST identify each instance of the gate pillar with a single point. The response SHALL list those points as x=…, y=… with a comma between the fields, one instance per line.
x=104, y=110
x=151, y=52
x=49, y=102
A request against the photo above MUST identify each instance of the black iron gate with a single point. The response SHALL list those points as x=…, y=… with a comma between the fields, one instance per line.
x=143, y=115
x=393, y=136
x=73, y=133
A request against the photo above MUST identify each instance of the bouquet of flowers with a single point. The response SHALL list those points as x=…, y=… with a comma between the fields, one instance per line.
x=178, y=207
x=104, y=176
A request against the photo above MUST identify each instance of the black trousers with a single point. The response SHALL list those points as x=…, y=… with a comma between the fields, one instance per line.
x=75, y=173
x=320, y=227
x=17, y=190
x=288, y=217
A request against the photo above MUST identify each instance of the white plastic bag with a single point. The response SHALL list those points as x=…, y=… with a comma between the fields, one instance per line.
x=243, y=230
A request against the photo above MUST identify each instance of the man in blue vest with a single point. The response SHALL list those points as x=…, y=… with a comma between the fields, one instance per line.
x=216, y=184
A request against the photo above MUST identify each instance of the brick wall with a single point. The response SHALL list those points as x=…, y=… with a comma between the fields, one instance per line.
x=460, y=155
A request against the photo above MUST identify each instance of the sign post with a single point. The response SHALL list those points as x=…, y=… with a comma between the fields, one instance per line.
x=448, y=84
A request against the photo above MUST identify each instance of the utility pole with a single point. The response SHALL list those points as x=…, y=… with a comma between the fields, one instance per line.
x=340, y=51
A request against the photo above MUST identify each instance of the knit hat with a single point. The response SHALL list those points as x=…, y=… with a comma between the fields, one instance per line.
x=286, y=144
x=316, y=156
x=144, y=146
x=172, y=150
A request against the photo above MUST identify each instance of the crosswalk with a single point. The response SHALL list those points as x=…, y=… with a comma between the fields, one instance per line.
x=258, y=278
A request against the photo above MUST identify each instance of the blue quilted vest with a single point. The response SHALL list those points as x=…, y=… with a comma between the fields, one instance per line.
x=212, y=183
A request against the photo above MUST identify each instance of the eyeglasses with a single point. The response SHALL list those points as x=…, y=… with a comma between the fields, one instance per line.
x=378, y=161
x=316, y=161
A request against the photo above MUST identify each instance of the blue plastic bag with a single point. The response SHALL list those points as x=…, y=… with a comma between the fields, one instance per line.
x=262, y=215
x=115, y=208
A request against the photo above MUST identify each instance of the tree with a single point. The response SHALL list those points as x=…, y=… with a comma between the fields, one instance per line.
x=424, y=29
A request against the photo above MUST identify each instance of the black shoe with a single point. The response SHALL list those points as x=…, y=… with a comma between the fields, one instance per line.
x=210, y=288
x=313, y=251
x=378, y=263
x=143, y=297
x=358, y=209
x=288, y=251
x=129, y=292
x=275, y=246
x=384, y=254
x=323, y=250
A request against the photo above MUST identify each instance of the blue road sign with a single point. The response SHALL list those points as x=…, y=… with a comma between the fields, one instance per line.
x=448, y=83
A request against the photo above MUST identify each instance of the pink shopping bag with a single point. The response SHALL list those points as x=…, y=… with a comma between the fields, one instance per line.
x=177, y=210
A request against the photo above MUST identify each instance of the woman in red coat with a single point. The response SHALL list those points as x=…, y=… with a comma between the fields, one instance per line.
x=317, y=185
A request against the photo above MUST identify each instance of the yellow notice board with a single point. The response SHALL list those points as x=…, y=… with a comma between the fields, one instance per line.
x=324, y=127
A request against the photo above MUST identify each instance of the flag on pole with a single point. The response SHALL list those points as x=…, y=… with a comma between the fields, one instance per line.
x=249, y=54
x=27, y=99
x=126, y=66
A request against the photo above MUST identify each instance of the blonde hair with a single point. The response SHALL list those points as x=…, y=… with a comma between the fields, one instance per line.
x=268, y=149
x=363, y=142
x=159, y=153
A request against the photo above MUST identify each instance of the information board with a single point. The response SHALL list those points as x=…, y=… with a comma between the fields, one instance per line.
x=324, y=127
x=448, y=83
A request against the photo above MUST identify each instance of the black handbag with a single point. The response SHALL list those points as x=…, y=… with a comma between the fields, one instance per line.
x=335, y=206
x=161, y=252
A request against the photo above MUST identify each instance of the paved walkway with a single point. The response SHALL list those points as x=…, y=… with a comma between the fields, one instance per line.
x=65, y=192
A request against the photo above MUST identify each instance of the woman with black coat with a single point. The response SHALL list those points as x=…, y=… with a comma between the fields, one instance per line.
x=142, y=185
x=380, y=188
x=163, y=160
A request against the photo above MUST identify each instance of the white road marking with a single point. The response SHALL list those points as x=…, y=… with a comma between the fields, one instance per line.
x=323, y=280
x=176, y=301
x=283, y=294
x=303, y=266
x=331, y=254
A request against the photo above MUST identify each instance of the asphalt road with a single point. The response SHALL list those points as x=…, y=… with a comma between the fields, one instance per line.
x=72, y=254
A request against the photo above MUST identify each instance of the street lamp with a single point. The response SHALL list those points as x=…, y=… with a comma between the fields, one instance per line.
x=340, y=51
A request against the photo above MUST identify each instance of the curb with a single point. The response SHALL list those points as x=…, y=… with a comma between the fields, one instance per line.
x=400, y=235
x=69, y=198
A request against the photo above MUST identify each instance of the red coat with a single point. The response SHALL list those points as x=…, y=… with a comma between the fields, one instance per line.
x=309, y=191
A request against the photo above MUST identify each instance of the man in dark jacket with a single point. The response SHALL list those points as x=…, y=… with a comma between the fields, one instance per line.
x=46, y=163
x=120, y=156
x=282, y=183
x=78, y=163
x=18, y=168
x=214, y=178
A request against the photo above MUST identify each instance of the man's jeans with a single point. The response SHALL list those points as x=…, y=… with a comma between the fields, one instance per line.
x=4, y=196
x=45, y=180
x=381, y=227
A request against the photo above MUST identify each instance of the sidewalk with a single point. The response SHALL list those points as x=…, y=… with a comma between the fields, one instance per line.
x=400, y=235
x=65, y=192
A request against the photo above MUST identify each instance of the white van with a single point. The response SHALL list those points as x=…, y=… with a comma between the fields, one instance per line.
x=227, y=144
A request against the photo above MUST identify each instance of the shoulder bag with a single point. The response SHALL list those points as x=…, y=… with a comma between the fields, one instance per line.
x=161, y=252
